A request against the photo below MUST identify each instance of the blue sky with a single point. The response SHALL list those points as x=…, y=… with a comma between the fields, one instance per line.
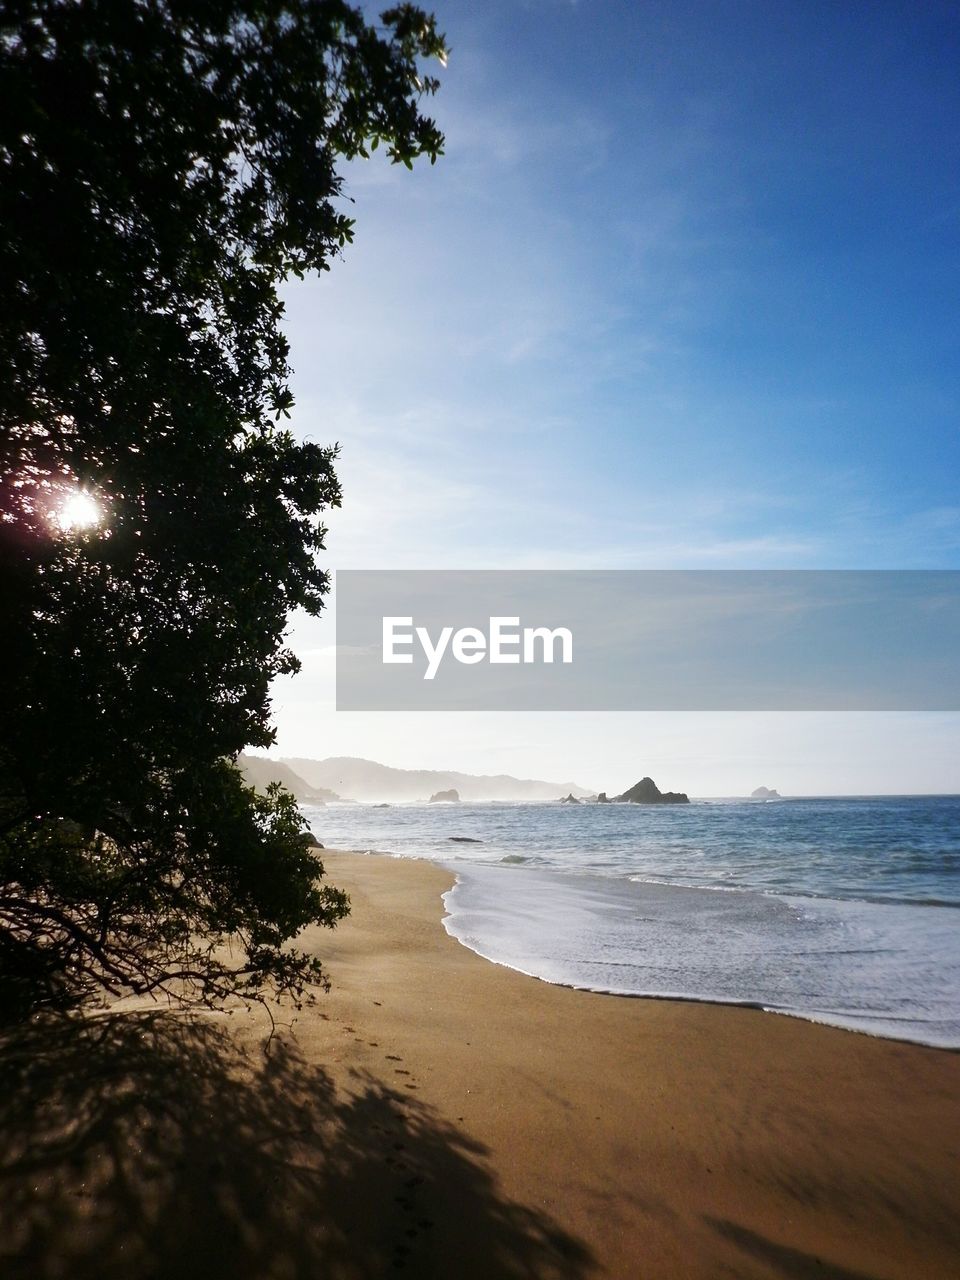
x=682, y=293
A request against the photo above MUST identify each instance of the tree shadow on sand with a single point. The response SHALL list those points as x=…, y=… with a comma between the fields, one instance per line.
x=780, y=1259
x=151, y=1145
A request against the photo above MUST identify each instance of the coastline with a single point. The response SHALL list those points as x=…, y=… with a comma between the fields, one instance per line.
x=439, y=1116
x=720, y=903
x=523, y=918
x=661, y=1138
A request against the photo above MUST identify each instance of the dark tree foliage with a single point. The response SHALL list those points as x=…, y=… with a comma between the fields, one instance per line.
x=164, y=165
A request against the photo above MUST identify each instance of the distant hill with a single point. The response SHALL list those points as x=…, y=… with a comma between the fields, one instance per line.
x=259, y=772
x=356, y=779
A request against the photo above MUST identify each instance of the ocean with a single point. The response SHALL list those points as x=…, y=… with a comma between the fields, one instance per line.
x=842, y=910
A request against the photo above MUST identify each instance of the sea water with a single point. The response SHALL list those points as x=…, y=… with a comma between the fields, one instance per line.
x=841, y=910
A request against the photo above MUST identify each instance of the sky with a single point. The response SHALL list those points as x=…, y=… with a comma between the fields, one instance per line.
x=682, y=293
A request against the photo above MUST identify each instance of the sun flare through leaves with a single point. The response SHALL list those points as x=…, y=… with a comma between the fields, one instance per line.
x=78, y=511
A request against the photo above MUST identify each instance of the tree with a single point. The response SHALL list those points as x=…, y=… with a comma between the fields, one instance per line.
x=164, y=166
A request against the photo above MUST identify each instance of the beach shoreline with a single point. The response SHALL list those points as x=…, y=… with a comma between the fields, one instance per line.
x=443, y=1117
x=486, y=952
x=845, y=914
x=667, y=1138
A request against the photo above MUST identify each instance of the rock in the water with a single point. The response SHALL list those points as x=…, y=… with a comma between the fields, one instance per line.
x=445, y=797
x=569, y=799
x=646, y=791
x=602, y=798
x=464, y=839
x=765, y=793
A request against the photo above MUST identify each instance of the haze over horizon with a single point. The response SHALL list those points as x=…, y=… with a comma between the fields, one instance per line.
x=703, y=318
x=582, y=781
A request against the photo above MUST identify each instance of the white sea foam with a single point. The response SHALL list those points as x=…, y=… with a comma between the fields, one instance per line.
x=888, y=969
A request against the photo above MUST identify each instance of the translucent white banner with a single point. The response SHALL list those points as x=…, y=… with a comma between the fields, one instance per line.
x=682, y=640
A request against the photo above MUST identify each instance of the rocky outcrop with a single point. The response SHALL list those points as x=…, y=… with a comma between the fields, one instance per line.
x=569, y=799
x=765, y=793
x=602, y=798
x=646, y=791
x=445, y=797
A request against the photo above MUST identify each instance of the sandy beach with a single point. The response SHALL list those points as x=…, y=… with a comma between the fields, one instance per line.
x=436, y=1115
